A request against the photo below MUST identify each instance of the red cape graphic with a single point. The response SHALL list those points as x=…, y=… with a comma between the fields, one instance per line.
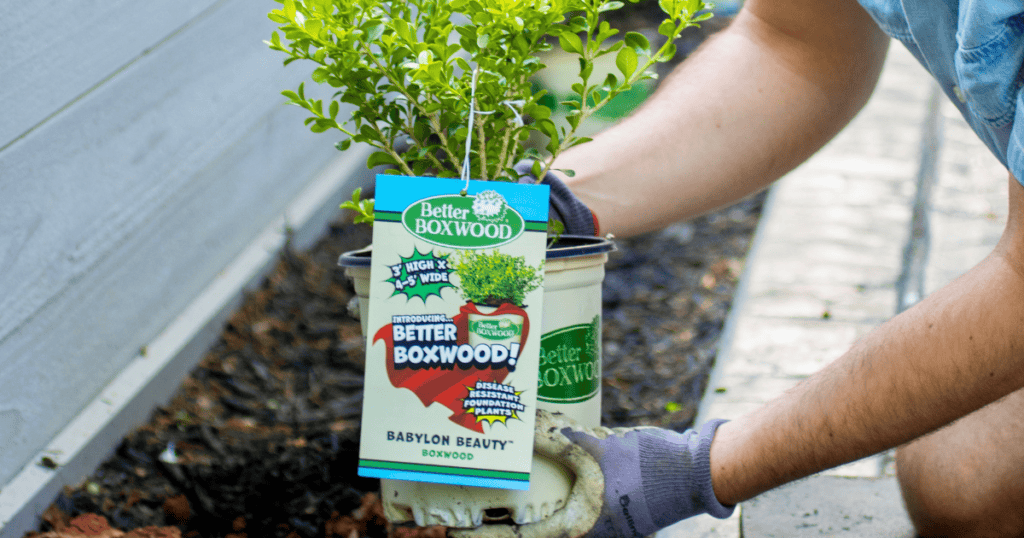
x=448, y=387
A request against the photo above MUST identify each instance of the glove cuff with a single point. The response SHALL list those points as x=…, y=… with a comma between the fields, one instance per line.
x=702, y=471
x=675, y=470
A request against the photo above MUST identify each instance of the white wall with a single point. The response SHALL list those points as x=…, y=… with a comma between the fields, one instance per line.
x=143, y=144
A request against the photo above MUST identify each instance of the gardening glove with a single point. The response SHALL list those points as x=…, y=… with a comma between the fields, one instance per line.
x=645, y=479
x=565, y=206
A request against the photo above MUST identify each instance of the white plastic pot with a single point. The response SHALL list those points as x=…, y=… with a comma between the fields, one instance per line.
x=569, y=381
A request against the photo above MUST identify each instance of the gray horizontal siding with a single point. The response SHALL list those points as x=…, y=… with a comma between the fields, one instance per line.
x=55, y=50
x=133, y=167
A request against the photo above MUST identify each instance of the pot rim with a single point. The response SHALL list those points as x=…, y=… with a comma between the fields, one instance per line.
x=568, y=246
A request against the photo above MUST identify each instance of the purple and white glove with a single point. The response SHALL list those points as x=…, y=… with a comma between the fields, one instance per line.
x=653, y=477
x=630, y=482
x=577, y=218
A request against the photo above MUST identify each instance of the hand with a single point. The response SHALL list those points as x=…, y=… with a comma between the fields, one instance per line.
x=630, y=482
x=577, y=218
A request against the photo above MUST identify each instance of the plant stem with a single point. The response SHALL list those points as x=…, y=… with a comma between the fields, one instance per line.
x=502, y=163
x=391, y=151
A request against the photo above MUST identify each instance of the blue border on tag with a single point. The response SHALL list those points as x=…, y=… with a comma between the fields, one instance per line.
x=454, y=480
x=395, y=193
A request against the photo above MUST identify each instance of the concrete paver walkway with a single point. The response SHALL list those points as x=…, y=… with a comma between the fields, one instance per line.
x=824, y=270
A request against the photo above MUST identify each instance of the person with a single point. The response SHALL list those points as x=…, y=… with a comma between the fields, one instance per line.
x=942, y=380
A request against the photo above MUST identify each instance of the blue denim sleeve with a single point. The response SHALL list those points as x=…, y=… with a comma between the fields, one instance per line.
x=975, y=51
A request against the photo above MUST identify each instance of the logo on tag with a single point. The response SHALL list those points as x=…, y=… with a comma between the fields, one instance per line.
x=480, y=221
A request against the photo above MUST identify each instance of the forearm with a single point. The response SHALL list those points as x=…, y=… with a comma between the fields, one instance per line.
x=958, y=350
x=746, y=108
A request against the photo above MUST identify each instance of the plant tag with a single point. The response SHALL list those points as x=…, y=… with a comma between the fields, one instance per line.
x=453, y=337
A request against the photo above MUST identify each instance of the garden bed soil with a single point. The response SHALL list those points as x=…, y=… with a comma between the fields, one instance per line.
x=262, y=438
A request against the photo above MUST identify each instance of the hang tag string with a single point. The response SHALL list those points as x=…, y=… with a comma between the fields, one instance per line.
x=512, y=104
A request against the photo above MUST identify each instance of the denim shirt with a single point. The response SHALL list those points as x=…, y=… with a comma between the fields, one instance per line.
x=975, y=50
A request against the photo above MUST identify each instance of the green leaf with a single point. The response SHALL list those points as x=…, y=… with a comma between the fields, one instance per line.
x=289, y=9
x=363, y=209
x=402, y=30
x=467, y=32
x=605, y=31
x=667, y=28
x=670, y=51
x=421, y=130
x=320, y=75
x=610, y=6
x=638, y=42
x=313, y=26
x=555, y=227
x=573, y=119
x=614, y=48
x=626, y=61
x=334, y=109
x=482, y=40
x=343, y=145
x=552, y=145
x=579, y=24
x=375, y=31
x=611, y=81
x=586, y=68
x=571, y=43
x=538, y=112
x=548, y=128
x=378, y=158
x=319, y=126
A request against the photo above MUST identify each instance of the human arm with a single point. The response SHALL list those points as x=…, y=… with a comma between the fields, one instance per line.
x=956, y=351
x=747, y=107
